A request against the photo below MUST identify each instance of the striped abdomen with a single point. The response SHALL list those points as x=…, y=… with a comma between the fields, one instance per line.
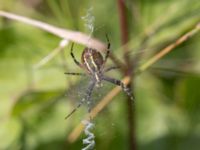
x=92, y=60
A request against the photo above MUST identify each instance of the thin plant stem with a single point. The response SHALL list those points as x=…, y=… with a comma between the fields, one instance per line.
x=169, y=48
x=74, y=36
x=51, y=55
x=127, y=72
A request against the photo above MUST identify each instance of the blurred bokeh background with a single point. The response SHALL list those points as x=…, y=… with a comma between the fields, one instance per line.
x=34, y=102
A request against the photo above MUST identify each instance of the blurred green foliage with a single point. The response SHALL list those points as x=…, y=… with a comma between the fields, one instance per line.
x=33, y=103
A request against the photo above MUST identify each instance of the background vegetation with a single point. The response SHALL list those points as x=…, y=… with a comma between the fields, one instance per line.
x=34, y=102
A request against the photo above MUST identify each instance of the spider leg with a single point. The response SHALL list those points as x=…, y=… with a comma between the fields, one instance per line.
x=108, y=49
x=119, y=83
x=86, y=99
x=72, y=73
x=110, y=68
x=89, y=93
x=75, y=60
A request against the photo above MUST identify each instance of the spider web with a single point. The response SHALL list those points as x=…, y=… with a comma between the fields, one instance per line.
x=77, y=91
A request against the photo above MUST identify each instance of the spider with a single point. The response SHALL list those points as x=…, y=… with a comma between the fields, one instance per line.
x=93, y=63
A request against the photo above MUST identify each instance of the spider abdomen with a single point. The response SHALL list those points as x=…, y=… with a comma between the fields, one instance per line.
x=92, y=60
